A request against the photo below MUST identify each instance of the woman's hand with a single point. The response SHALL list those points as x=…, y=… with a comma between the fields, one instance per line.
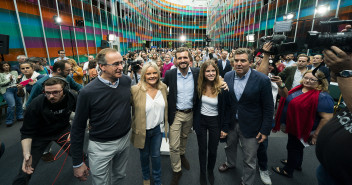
x=32, y=82
x=223, y=135
x=19, y=86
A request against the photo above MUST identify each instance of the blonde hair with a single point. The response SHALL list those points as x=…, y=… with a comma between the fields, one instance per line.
x=216, y=84
x=72, y=62
x=323, y=84
x=144, y=70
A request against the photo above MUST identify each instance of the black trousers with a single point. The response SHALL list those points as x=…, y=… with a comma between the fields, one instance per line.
x=294, y=154
x=208, y=124
x=37, y=149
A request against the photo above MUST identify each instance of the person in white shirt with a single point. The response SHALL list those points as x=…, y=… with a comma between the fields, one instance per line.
x=61, y=56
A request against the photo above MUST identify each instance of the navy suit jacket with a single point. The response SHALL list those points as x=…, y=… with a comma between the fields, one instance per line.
x=255, y=107
x=222, y=71
x=170, y=80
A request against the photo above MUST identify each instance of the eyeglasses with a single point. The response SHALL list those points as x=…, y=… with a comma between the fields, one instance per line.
x=116, y=64
x=54, y=93
x=310, y=79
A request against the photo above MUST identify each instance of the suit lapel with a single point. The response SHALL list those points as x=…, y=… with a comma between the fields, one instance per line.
x=231, y=86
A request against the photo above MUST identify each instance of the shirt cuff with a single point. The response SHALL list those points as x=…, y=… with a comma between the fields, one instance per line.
x=77, y=166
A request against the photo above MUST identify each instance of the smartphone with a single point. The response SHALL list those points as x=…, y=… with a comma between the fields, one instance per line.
x=274, y=78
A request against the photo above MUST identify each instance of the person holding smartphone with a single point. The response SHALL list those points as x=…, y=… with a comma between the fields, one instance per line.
x=302, y=112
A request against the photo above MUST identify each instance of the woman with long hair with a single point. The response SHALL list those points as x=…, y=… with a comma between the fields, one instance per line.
x=149, y=111
x=77, y=72
x=302, y=112
x=209, y=118
x=8, y=90
x=28, y=73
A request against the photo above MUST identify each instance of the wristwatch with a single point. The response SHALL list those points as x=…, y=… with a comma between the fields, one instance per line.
x=344, y=74
x=283, y=85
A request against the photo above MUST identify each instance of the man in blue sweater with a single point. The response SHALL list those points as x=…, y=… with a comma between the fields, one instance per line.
x=106, y=102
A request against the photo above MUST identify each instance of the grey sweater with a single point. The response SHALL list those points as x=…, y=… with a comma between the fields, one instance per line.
x=109, y=113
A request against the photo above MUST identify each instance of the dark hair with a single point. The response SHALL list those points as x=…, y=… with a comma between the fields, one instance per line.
x=2, y=65
x=26, y=62
x=58, y=52
x=247, y=51
x=34, y=59
x=183, y=49
x=92, y=64
x=53, y=81
x=60, y=65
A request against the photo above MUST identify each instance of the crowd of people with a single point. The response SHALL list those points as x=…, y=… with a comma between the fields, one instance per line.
x=236, y=97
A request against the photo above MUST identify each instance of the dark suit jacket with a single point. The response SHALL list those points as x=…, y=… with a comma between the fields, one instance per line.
x=227, y=68
x=255, y=107
x=170, y=80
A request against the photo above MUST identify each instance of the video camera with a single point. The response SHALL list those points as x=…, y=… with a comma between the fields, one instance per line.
x=278, y=45
x=323, y=40
x=135, y=65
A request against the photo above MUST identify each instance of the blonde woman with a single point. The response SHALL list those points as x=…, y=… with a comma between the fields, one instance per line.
x=77, y=72
x=149, y=110
x=209, y=118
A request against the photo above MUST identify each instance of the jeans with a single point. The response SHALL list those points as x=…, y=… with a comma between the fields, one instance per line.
x=262, y=155
x=323, y=177
x=210, y=147
x=13, y=101
x=294, y=154
x=152, y=149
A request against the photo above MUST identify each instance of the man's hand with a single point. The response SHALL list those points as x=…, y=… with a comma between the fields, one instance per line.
x=267, y=47
x=27, y=164
x=81, y=172
x=261, y=137
x=337, y=60
x=224, y=85
x=223, y=134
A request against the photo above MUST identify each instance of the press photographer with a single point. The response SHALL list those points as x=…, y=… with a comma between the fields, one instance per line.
x=135, y=69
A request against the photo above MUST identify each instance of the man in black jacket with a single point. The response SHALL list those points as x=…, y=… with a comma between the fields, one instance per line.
x=182, y=83
x=224, y=64
x=46, y=120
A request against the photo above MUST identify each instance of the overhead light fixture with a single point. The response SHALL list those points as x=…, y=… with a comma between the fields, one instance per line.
x=111, y=37
x=250, y=38
x=289, y=16
x=57, y=19
x=322, y=9
x=183, y=38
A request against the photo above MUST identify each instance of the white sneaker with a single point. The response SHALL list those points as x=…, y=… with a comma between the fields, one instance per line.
x=264, y=176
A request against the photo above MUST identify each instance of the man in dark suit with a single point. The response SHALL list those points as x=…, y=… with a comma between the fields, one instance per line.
x=317, y=60
x=224, y=64
x=182, y=83
x=249, y=106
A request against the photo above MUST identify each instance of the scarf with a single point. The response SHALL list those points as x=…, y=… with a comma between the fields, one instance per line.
x=301, y=112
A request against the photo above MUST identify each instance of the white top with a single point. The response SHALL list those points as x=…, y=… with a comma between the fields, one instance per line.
x=209, y=106
x=85, y=66
x=297, y=78
x=13, y=82
x=154, y=109
x=223, y=64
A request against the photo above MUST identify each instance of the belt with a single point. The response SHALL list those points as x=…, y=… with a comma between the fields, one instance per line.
x=185, y=111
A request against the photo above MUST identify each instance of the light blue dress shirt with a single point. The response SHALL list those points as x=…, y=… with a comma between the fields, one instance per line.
x=185, y=90
x=108, y=83
x=239, y=84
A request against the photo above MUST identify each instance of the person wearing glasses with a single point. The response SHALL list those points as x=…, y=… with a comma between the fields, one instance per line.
x=302, y=112
x=106, y=102
x=47, y=119
x=61, y=68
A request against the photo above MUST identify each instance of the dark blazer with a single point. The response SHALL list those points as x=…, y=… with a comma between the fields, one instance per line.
x=170, y=80
x=222, y=71
x=221, y=113
x=255, y=107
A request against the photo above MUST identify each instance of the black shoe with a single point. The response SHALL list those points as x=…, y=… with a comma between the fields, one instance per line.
x=211, y=177
x=21, y=119
x=284, y=161
x=176, y=176
x=9, y=125
x=281, y=171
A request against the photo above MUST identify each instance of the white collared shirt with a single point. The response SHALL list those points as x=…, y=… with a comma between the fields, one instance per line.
x=154, y=109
